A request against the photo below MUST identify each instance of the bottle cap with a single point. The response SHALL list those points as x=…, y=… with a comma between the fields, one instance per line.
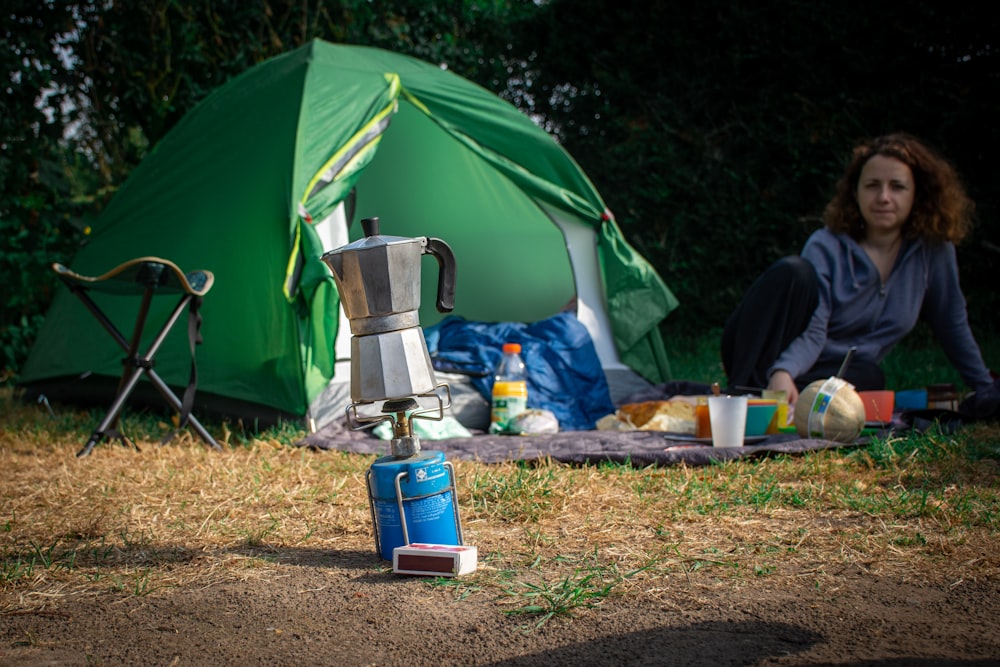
x=512, y=348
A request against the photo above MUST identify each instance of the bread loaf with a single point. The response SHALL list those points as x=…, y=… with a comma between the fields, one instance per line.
x=676, y=416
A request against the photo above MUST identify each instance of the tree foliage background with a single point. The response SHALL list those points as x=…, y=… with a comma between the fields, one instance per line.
x=714, y=130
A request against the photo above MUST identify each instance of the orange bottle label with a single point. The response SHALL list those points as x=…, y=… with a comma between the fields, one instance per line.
x=514, y=389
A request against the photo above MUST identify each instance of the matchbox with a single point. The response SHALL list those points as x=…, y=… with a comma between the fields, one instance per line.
x=436, y=560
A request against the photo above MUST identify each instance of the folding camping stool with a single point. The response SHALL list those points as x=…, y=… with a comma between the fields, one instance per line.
x=145, y=276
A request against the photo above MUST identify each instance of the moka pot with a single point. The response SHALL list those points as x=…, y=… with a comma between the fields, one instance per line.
x=378, y=278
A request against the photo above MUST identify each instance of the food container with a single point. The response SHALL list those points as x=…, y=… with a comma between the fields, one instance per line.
x=911, y=399
x=942, y=396
x=780, y=419
x=879, y=405
x=760, y=415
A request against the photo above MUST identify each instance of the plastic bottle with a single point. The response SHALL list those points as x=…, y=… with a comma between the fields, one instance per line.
x=510, y=389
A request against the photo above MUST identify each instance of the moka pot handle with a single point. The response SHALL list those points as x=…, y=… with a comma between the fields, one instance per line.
x=446, y=272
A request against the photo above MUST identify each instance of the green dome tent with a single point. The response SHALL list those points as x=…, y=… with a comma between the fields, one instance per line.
x=252, y=183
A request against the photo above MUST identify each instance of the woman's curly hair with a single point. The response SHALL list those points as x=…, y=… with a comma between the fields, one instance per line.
x=942, y=211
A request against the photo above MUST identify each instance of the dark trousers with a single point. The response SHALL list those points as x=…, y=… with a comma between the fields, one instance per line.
x=774, y=312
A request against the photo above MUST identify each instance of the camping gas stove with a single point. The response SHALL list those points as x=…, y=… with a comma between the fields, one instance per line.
x=411, y=493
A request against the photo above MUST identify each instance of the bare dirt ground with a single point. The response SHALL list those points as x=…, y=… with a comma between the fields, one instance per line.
x=264, y=555
x=347, y=608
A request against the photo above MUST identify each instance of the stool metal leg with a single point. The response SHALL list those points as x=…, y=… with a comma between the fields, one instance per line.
x=130, y=379
x=133, y=366
x=176, y=404
x=136, y=366
x=162, y=386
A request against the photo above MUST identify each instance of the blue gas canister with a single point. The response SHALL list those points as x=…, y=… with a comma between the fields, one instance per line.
x=412, y=499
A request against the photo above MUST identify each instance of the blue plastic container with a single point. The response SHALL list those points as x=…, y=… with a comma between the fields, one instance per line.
x=423, y=485
x=911, y=399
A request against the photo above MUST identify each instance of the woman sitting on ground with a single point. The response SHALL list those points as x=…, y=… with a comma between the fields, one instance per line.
x=885, y=257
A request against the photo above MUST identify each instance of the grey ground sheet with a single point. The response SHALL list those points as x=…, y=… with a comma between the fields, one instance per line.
x=639, y=448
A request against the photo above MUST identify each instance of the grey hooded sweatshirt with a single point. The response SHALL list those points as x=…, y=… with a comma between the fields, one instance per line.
x=857, y=310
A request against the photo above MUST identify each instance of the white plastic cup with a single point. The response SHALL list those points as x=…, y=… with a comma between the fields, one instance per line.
x=728, y=415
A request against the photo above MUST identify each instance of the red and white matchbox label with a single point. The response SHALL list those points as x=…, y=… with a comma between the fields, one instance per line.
x=436, y=560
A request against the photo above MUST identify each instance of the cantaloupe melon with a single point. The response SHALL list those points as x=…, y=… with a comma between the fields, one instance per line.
x=830, y=409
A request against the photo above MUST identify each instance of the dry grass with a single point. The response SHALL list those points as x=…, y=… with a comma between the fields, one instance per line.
x=550, y=536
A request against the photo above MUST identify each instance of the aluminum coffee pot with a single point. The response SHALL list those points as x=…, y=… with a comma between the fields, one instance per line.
x=379, y=282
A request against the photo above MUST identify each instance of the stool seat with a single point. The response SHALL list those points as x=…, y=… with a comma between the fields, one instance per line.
x=137, y=275
x=145, y=277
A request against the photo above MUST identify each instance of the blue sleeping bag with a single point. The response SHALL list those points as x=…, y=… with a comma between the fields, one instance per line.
x=564, y=372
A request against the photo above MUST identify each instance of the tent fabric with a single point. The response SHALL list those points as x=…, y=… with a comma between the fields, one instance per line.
x=634, y=295
x=238, y=185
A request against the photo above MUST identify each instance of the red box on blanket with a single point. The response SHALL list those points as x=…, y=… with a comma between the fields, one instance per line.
x=437, y=560
x=879, y=405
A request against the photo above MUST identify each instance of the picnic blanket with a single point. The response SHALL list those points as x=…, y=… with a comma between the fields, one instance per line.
x=638, y=448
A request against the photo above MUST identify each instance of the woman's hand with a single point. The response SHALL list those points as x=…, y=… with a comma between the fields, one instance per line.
x=783, y=381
